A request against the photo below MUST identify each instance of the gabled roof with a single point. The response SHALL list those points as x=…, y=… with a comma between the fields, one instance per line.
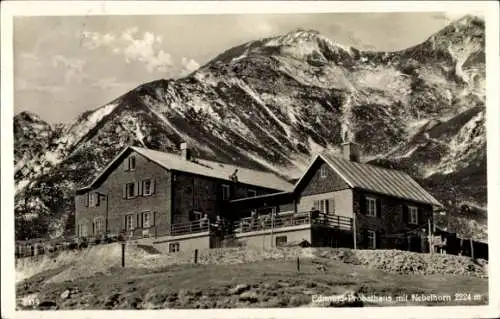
x=206, y=168
x=376, y=179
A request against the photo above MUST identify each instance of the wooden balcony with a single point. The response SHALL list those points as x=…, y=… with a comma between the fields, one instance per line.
x=266, y=222
x=197, y=226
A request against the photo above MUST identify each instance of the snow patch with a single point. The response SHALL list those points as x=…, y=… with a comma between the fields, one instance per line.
x=257, y=98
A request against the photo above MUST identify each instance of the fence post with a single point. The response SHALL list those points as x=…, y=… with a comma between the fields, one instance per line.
x=195, y=256
x=123, y=254
x=298, y=264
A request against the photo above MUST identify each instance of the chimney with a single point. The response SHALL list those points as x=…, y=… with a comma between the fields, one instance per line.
x=351, y=152
x=185, y=151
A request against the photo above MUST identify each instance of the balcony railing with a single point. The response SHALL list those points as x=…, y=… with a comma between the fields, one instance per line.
x=198, y=226
x=265, y=222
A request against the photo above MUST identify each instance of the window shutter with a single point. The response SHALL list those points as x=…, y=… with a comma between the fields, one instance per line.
x=362, y=204
x=379, y=208
x=125, y=191
x=125, y=165
x=405, y=214
x=138, y=224
x=98, y=199
x=154, y=219
x=420, y=216
x=124, y=223
x=377, y=239
x=139, y=188
x=153, y=186
x=86, y=200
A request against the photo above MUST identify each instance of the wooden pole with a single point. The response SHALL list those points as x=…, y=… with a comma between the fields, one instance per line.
x=354, y=231
x=123, y=254
x=431, y=248
x=471, y=248
x=298, y=264
x=272, y=226
x=196, y=256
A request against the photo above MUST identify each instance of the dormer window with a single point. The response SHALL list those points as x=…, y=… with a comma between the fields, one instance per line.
x=252, y=193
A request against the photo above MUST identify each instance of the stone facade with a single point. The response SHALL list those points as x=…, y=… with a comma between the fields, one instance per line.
x=175, y=198
x=198, y=193
x=113, y=205
x=391, y=222
x=266, y=239
x=179, y=197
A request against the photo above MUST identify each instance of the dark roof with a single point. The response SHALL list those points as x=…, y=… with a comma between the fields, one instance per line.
x=379, y=180
x=376, y=179
x=207, y=168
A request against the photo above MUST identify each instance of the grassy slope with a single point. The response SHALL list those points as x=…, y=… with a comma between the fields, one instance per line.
x=271, y=283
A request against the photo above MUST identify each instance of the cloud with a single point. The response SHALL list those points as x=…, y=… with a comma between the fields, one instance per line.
x=133, y=47
x=189, y=65
x=34, y=86
x=109, y=83
x=73, y=67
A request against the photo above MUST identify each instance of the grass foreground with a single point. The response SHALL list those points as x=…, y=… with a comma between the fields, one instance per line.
x=319, y=282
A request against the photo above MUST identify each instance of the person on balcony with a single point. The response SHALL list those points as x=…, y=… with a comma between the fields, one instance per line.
x=204, y=221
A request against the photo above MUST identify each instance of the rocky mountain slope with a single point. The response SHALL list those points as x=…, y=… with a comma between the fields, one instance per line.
x=272, y=104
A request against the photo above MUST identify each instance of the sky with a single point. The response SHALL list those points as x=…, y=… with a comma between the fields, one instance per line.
x=65, y=65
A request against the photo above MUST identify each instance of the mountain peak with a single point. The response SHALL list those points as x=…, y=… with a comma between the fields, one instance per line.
x=468, y=19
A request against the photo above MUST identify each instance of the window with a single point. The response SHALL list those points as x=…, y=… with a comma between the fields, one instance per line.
x=197, y=215
x=93, y=199
x=131, y=163
x=99, y=225
x=372, y=239
x=225, y=192
x=146, y=187
x=371, y=207
x=325, y=206
x=322, y=171
x=83, y=230
x=131, y=191
x=413, y=215
x=252, y=193
x=129, y=222
x=280, y=240
x=146, y=219
x=173, y=247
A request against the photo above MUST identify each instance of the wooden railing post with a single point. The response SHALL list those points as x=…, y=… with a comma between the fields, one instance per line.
x=123, y=254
